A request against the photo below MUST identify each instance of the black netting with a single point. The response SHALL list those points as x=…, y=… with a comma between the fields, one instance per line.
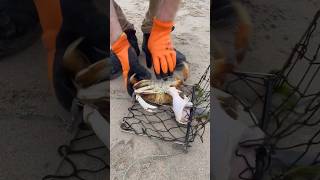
x=285, y=104
x=84, y=158
x=161, y=124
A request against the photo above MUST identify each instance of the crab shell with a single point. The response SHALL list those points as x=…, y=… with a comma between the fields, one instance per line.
x=80, y=68
x=155, y=92
x=158, y=99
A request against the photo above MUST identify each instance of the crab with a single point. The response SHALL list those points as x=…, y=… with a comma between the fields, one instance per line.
x=151, y=94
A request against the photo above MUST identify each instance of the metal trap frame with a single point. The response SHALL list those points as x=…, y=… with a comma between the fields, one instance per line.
x=162, y=125
x=286, y=104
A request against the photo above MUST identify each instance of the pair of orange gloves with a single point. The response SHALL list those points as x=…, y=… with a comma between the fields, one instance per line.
x=160, y=46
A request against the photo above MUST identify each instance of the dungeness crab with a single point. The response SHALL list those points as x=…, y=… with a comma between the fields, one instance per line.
x=153, y=93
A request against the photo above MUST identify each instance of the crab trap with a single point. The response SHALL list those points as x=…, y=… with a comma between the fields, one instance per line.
x=161, y=123
x=285, y=105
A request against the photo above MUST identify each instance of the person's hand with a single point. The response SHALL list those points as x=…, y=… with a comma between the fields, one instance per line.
x=161, y=48
x=128, y=59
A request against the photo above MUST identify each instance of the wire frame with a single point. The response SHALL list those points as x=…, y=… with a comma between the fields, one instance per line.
x=286, y=103
x=161, y=123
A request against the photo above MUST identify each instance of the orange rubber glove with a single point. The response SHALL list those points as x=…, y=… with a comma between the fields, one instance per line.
x=242, y=36
x=128, y=59
x=121, y=48
x=161, y=47
x=50, y=17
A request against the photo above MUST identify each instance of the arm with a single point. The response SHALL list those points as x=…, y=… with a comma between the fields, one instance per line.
x=121, y=47
x=167, y=10
x=115, y=28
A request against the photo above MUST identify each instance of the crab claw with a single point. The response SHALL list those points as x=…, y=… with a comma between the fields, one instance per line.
x=73, y=59
x=94, y=73
x=180, y=106
x=144, y=104
x=185, y=71
x=133, y=79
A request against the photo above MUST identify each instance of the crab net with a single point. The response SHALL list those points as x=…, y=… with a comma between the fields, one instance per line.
x=285, y=105
x=83, y=158
x=161, y=123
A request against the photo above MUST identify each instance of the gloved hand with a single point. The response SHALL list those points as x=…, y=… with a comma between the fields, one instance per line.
x=161, y=48
x=128, y=59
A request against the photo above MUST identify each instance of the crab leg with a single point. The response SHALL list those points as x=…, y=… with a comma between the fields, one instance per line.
x=144, y=90
x=142, y=83
x=144, y=104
